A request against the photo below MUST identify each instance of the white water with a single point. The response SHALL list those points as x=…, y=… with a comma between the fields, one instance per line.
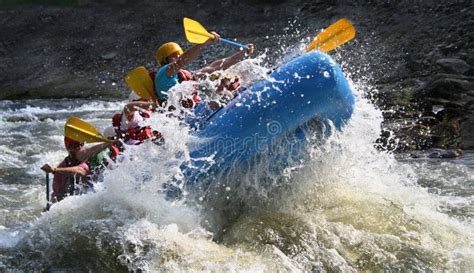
x=348, y=208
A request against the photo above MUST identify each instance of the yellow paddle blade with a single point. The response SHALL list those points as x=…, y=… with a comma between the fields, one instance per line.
x=140, y=82
x=195, y=32
x=334, y=36
x=82, y=131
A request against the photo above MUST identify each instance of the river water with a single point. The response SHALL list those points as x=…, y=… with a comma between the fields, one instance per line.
x=347, y=208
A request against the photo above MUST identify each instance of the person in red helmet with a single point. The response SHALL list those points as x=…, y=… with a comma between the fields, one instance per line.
x=69, y=172
x=73, y=169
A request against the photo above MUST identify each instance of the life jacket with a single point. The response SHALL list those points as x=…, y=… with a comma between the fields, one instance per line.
x=68, y=184
x=227, y=82
x=234, y=85
x=152, y=76
x=114, y=152
x=139, y=134
x=196, y=99
x=231, y=85
x=97, y=165
x=145, y=114
x=116, y=119
x=185, y=75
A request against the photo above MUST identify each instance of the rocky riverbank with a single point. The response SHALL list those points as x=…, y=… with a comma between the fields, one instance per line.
x=418, y=55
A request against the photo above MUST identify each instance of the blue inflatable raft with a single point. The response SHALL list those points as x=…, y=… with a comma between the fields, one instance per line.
x=310, y=87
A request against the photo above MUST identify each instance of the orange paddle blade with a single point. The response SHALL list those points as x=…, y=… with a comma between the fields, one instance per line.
x=333, y=37
x=82, y=131
x=140, y=82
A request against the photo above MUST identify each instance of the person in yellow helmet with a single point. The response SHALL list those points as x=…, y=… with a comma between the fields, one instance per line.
x=172, y=59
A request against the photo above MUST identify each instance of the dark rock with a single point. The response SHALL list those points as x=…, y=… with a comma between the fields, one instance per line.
x=446, y=86
x=385, y=134
x=451, y=65
x=428, y=120
x=414, y=64
x=450, y=113
x=109, y=56
x=448, y=103
x=452, y=153
x=437, y=153
x=445, y=135
x=470, y=106
x=440, y=153
x=452, y=47
x=414, y=137
x=467, y=133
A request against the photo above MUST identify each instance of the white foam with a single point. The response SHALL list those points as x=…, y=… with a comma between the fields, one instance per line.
x=349, y=208
x=8, y=238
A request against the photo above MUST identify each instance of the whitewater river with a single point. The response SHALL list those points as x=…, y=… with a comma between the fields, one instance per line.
x=347, y=208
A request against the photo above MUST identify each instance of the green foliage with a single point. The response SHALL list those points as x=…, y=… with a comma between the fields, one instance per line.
x=402, y=97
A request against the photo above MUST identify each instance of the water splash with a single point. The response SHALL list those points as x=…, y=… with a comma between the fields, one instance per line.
x=352, y=208
x=343, y=206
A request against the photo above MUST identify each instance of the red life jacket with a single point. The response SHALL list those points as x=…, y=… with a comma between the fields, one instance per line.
x=139, y=133
x=191, y=102
x=185, y=75
x=196, y=99
x=229, y=84
x=234, y=85
x=116, y=119
x=145, y=114
x=114, y=152
x=152, y=75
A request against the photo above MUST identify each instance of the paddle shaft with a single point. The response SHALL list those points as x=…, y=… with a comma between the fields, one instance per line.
x=48, y=204
x=233, y=43
x=221, y=39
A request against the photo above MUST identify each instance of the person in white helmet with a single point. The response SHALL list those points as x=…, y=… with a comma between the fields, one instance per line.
x=129, y=124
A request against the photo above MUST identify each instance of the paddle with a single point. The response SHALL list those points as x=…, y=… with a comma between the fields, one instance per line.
x=334, y=36
x=82, y=131
x=197, y=34
x=140, y=82
x=48, y=203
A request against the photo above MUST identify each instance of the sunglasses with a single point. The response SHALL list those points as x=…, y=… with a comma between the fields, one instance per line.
x=75, y=146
